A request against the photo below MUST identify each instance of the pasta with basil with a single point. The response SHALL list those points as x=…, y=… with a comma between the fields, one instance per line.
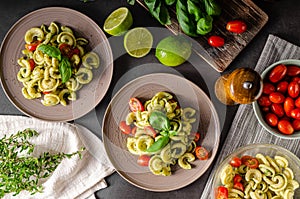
x=55, y=64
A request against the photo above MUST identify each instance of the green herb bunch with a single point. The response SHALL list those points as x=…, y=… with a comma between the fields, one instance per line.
x=18, y=170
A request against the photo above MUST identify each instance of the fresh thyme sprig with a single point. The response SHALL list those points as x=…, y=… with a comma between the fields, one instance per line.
x=18, y=170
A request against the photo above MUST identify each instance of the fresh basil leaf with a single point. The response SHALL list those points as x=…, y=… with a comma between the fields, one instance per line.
x=212, y=7
x=158, y=120
x=194, y=8
x=50, y=50
x=65, y=69
x=204, y=25
x=186, y=23
x=131, y=2
x=159, y=144
x=170, y=2
x=158, y=10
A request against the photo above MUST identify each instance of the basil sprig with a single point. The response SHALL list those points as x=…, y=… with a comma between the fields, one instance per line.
x=159, y=121
x=65, y=67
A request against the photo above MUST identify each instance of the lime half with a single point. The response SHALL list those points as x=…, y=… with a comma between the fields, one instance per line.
x=173, y=50
x=138, y=42
x=118, y=22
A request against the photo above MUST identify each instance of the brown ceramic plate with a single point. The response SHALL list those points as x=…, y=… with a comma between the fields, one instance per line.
x=88, y=96
x=144, y=87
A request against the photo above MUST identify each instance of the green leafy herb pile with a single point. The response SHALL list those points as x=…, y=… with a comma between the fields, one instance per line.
x=19, y=170
x=195, y=17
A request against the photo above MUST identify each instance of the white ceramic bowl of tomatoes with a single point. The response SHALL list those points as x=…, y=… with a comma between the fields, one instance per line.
x=278, y=108
x=229, y=180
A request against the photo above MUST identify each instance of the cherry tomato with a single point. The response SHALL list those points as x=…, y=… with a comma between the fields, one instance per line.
x=133, y=130
x=222, y=193
x=126, y=129
x=197, y=137
x=237, y=178
x=282, y=86
x=32, y=46
x=296, y=125
x=268, y=88
x=295, y=113
x=296, y=79
x=297, y=102
x=277, y=109
x=143, y=160
x=216, y=41
x=277, y=73
x=76, y=51
x=285, y=127
x=201, y=153
x=245, y=158
x=252, y=163
x=238, y=186
x=265, y=109
x=66, y=50
x=150, y=131
x=236, y=26
x=276, y=97
x=46, y=92
x=293, y=89
x=135, y=105
x=293, y=70
x=235, y=162
x=271, y=119
x=288, y=106
x=264, y=101
x=32, y=64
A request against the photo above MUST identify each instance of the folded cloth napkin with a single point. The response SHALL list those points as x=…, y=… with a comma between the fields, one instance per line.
x=74, y=177
x=245, y=128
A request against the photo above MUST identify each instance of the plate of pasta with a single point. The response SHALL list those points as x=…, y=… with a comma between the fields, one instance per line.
x=56, y=64
x=160, y=135
x=258, y=171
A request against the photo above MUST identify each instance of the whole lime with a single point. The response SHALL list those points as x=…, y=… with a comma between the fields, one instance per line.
x=173, y=50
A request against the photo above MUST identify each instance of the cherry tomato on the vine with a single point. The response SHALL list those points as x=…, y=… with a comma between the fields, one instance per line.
x=236, y=26
x=216, y=41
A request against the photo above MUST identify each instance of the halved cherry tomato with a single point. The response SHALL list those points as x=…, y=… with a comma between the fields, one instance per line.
x=201, y=153
x=46, y=92
x=293, y=70
x=236, y=26
x=32, y=64
x=264, y=100
x=295, y=113
x=252, y=163
x=293, y=89
x=288, y=106
x=271, y=119
x=282, y=86
x=135, y=105
x=237, y=178
x=245, y=158
x=235, y=162
x=150, y=131
x=133, y=130
x=277, y=73
x=277, y=109
x=32, y=46
x=276, y=97
x=126, y=129
x=216, y=41
x=285, y=127
x=143, y=160
x=296, y=125
x=197, y=137
x=268, y=88
x=221, y=193
x=238, y=186
x=66, y=50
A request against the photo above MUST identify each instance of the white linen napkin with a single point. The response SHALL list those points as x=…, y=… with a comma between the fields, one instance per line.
x=74, y=177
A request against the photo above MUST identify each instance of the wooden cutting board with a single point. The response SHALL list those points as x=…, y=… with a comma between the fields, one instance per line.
x=220, y=58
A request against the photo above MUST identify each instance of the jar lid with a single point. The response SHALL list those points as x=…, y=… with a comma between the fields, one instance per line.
x=244, y=85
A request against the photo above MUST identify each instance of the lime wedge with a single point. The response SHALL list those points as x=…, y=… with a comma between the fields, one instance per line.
x=118, y=22
x=138, y=42
x=173, y=50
